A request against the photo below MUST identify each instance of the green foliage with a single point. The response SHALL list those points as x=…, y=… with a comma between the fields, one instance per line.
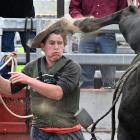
x=19, y=68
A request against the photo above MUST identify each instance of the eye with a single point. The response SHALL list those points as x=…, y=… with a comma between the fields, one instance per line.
x=60, y=43
x=52, y=43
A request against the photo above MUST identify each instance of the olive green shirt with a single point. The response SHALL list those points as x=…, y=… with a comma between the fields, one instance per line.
x=53, y=113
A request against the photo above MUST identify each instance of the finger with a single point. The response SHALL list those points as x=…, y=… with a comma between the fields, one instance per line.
x=15, y=79
x=14, y=76
x=12, y=73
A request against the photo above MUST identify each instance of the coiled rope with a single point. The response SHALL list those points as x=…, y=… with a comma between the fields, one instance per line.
x=7, y=59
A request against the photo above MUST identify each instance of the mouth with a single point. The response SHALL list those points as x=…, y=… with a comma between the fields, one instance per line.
x=56, y=54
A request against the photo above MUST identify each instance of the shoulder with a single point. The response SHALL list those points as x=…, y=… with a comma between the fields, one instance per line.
x=32, y=64
x=72, y=65
x=71, y=62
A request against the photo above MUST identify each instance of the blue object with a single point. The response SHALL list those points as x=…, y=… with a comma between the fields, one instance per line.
x=5, y=70
x=8, y=40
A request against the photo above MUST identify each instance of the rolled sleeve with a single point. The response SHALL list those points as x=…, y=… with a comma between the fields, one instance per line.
x=69, y=78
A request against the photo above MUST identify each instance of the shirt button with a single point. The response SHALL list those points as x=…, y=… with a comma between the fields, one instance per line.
x=98, y=5
x=97, y=13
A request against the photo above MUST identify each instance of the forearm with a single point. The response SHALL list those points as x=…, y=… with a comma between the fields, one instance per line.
x=49, y=90
x=5, y=85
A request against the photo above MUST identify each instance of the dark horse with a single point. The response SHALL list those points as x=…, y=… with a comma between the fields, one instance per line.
x=128, y=20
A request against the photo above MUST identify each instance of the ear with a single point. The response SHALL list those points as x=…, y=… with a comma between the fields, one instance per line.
x=42, y=45
x=133, y=9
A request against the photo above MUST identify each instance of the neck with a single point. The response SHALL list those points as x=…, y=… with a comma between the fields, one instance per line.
x=49, y=62
x=110, y=19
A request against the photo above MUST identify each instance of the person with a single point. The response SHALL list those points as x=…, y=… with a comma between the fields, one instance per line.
x=16, y=9
x=104, y=43
x=53, y=83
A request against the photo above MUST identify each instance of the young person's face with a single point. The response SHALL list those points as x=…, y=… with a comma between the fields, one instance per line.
x=53, y=47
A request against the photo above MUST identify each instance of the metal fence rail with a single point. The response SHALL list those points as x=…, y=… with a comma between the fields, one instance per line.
x=18, y=24
x=104, y=59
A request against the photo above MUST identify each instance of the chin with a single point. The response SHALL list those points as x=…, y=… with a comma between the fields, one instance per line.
x=56, y=58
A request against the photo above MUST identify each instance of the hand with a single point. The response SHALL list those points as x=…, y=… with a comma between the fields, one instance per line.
x=19, y=77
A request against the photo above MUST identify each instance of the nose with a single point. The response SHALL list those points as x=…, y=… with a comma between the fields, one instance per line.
x=56, y=46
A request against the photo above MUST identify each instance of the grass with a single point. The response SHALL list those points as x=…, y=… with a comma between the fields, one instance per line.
x=19, y=68
x=20, y=50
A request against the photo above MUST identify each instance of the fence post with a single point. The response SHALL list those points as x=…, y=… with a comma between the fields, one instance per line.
x=60, y=8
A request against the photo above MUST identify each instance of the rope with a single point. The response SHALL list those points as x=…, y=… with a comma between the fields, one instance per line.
x=13, y=68
x=10, y=59
x=18, y=116
x=117, y=93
